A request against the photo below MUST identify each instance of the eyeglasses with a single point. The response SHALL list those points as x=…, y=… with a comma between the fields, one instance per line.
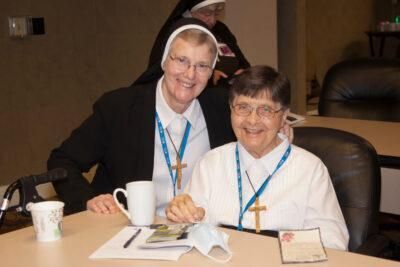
x=245, y=110
x=209, y=11
x=183, y=64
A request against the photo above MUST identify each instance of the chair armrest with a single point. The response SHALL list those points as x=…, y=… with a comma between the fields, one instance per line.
x=375, y=245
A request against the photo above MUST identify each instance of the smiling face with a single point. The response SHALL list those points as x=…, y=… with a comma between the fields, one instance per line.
x=258, y=135
x=209, y=14
x=181, y=86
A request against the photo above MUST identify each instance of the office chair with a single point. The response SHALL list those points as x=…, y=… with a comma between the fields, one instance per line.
x=366, y=89
x=354, y=169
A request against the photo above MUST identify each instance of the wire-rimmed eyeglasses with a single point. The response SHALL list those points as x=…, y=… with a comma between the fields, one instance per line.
x=183, y=64
x=209, y=11
x=245, y=110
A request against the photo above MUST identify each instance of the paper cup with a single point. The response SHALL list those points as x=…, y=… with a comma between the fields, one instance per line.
x=47, y=219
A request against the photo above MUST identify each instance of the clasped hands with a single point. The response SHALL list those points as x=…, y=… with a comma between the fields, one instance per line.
x=183, y=210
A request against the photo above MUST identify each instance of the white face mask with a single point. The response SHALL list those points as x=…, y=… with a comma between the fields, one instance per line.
x=206, y=236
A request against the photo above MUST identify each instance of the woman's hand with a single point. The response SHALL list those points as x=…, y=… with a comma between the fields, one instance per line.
x=217, y=75
x=182, y=209
x=104, y=204
x=238, y=71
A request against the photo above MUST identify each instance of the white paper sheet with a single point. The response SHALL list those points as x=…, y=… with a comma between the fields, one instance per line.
x=113, y=248
x=293, y=118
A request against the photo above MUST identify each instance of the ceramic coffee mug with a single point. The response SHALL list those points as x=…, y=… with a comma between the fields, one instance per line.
x=141, y=202
x=47, y=219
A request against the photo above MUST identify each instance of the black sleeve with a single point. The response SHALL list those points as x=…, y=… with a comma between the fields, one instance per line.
x=222, y=31
x=153, y=73
x=78, y=153
x=216, y=110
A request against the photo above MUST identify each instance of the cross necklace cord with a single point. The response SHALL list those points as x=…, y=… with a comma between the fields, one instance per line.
x=179, y=165
x=257, y=208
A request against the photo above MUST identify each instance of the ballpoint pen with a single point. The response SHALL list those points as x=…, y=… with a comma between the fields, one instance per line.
x=129, y=241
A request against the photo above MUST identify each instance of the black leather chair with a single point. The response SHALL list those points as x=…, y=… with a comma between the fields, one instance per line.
x=354, y=169
x=367, y=89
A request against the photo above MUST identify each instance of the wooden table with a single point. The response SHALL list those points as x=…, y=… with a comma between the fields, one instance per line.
x=384, y=136
x=382, y=35
x=85, y=232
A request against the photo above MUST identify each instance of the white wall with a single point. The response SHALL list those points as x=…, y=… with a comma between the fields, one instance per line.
x=390, y=200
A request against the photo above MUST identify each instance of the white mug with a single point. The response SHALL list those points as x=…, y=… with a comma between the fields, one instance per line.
x=141, y=200
x=47, y=219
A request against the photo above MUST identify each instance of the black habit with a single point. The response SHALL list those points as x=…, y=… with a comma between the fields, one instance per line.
x=119, y=137
x=221, y=33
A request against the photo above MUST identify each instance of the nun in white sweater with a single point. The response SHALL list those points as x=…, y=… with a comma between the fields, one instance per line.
x=262, y=181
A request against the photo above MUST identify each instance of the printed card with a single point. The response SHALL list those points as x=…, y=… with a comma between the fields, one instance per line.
x=168, y=232
x=301, y=246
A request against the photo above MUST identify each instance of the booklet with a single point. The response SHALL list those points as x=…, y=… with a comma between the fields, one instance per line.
x=301, y=246
x=114, y=248
x=168, y=232
x=164, y=242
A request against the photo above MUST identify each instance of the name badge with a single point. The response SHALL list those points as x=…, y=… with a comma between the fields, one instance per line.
x=225, y=51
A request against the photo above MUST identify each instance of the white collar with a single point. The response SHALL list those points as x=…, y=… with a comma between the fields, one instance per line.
x=167, y=115
x=268, y=161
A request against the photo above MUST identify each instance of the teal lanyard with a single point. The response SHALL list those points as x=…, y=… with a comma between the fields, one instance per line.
x=165, y=148
x=260, y=190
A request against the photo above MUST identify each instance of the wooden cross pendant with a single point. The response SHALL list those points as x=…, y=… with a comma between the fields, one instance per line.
x=178, y=167
x=257, y=209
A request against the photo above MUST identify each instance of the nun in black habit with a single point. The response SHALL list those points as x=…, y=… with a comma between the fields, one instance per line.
x=122, y=134
x=231, y=59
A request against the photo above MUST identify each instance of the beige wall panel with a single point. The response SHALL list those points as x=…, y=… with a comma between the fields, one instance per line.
x=335, y=31
x=49, y=82
x=254, y=24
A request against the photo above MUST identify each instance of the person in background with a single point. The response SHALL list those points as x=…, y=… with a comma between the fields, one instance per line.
x=231, y=59
x=141, y=132
x=262, y=181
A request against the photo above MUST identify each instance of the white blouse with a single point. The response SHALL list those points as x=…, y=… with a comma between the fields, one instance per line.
x=197, y=145
x=300, y=195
